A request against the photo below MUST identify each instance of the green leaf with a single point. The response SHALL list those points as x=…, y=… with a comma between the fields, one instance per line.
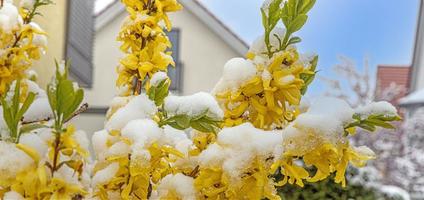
x=7, y=114
x=367, y=127
x=78, y=97
x=175, y=125
x=202, y=115
x=264, y=19
x=30, y=127
x=380, y=123
x=51, y=95
x=286, y=18
x=291, y=9
x=160, y=92
x=294, y=40
x=27, y=103
x=274, y=14
x=182, y=121
x=203, y=127
x=306, y=6
x=151, y=93
x=16, y=95
x=297, y=23
x=314, y=63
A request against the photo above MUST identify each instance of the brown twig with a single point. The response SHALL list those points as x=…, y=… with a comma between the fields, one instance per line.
x=80, y=110
x=36, y=121
x=56, y=153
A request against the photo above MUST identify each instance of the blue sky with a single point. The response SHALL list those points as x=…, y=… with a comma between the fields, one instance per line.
x=381, y=30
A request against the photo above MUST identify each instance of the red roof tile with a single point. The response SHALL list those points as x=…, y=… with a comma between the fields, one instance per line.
x=389, y=75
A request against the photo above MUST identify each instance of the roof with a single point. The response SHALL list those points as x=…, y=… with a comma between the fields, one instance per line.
x=389, y=76
x=107, y=15
x=415, y=98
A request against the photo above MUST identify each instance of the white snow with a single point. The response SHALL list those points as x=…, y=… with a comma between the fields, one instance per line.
x=267, y=3
x=305, y=59
x=259, y=47
x=81, y=138
x=139, y=156
x=364, y=150
x=142, y=131
x=105, y=175
x=62, y=67
x=394, y=192
x=33, y=87
x=266, y=75
x=28, y=4
x=286, y=80
x=237, y=146
x=139, y=107
x=9, y=17
x=12, y=195
x=182, y=185
x=237, y=72
x=157, y=78
x=193, y=105
x=99, y=141
x=326, y=114
x=67, y=174
x=324, y=121
x=38, y=40
x=12, y=160
x=38, y=111
x=34, y=141
x=413, y=98
x=40, y=108
x=379, y=108
x=118, y=149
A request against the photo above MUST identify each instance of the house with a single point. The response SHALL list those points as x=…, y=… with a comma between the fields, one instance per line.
x=415, y=98
x=392, y=83
x=202, y=44
x=54, y=22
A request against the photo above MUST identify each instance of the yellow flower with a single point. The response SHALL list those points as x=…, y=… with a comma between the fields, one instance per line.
x=60, y=189
x=201, y=141
x=254, y=183
x=144, y=40
x=268, y=100
x=292, y=173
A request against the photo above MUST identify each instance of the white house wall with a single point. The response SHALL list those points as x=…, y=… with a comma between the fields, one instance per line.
x=202, y=54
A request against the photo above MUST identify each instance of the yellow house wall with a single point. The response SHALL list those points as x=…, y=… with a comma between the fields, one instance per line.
x=54, y=23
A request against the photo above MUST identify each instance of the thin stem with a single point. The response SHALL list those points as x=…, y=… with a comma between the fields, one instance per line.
x=80, y=110
x=56, y=152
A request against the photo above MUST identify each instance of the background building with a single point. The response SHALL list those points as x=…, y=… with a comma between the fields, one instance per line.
x=201, y=46
x=392, y=83
x=415, y=98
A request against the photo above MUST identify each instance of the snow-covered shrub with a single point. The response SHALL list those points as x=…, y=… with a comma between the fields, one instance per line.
x=250, y=136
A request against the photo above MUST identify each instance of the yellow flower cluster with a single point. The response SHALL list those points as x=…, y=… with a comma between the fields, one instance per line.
x=20, y=44
x=337, y=157
x=267, y=138
x=134, y=174
x=254, y=183
x=144, y=40
x=269, y=98
x=56, y=170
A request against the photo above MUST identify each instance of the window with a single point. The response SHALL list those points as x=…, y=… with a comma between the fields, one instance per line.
x=175, y=73
x=79, y=42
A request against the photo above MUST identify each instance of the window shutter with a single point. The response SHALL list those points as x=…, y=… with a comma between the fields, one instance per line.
x=80, y=37
x=175, y=73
